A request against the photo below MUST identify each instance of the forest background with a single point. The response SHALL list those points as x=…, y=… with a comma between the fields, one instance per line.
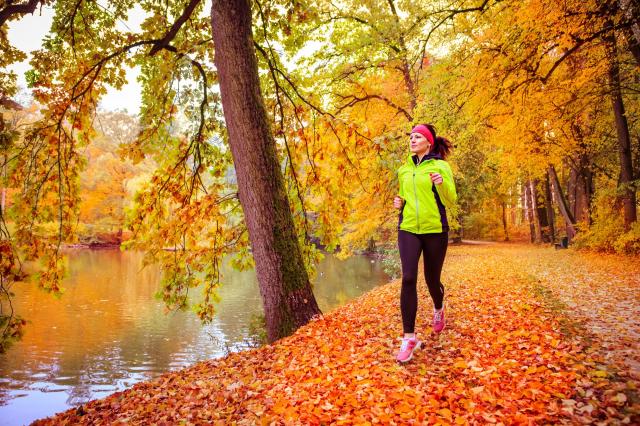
x=539, y=97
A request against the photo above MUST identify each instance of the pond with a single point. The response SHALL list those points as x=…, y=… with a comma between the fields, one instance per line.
x=108, y=332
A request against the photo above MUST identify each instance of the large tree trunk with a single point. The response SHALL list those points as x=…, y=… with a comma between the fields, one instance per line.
x=562, y=204
x=579, y=188
x=624, y=139
x=284, y=284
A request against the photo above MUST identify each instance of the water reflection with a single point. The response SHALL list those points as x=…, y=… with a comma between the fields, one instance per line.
x=108, y=331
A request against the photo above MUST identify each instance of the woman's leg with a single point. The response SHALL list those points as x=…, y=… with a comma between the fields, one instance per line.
x=435, y=249
x=410, y=248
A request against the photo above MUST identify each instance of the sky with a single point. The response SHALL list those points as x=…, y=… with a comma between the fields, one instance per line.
x=28, y=32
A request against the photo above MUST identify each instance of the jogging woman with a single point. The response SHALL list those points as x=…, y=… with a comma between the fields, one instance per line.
x=426, y=188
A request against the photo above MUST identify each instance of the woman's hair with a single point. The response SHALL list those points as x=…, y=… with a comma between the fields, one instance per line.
x=441, y=146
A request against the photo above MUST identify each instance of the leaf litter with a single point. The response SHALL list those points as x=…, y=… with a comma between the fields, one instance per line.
x=534, y=336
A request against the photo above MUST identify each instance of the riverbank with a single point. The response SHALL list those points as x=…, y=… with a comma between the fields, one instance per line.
x=526, y=342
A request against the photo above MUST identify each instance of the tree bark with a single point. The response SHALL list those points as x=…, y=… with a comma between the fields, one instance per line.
x=578, y=189
x=528, y=207
x=624, y=139
x=535, y=211
x=632, y=33
x=504, y=221
x=283, y=280
x=549, y=207
x=523, y=201
x=562, y=204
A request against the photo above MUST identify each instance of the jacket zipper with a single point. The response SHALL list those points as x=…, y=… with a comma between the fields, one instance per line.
x=415, y=193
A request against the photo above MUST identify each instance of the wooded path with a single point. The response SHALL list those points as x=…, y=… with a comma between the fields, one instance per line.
x=534, y=335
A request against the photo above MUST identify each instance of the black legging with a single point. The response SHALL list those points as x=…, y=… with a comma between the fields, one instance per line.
x=411, y=246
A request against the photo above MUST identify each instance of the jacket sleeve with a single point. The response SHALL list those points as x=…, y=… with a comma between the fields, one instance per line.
x=400, y=189
x=447, y=190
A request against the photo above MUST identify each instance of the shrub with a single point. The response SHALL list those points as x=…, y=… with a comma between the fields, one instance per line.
x=482, y=226
x=629, y=242
x=606, y=232
x=391, y=263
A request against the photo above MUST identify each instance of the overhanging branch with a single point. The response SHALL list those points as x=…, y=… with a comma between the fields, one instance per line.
x=11, y=10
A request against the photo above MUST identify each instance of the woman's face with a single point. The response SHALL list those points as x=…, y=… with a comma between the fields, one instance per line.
x=419, y=144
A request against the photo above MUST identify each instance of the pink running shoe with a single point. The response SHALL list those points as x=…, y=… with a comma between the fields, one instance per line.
x=407, y=348
x=438, y=320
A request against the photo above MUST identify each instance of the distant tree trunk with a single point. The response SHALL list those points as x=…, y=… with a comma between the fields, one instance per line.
x=4, y=188
x=457, y=234
x=549, y=207
x=528, y=207
x=624, y=139
x=523, y=202
x=542, y=218
x=562, y=204
x=284, y=284
x=588, y=194
x=632, y=33
x=535, y=210
x=371, y=245
x=504, y=221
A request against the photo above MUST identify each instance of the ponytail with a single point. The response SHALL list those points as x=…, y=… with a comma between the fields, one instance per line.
x=441, y=146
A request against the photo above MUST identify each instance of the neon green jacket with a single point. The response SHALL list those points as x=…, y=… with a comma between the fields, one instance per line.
x=423, y=211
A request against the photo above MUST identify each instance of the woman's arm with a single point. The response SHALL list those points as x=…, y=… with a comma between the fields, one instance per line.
x=447, y=189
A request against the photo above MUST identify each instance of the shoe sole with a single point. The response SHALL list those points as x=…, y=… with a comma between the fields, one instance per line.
x=411, y=356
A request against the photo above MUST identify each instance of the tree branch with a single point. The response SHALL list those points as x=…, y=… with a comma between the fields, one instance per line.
x=164, y=41
x=18, y=9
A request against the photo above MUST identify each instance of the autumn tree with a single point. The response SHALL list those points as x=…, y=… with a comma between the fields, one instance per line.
x=189, y=197
x=544, y=110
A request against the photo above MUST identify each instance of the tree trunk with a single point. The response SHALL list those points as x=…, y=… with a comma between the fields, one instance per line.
x=535, y=212
x=549, y=206
x=528, y=207
x=572, y=184
x=562, y=204
x=632, y=33
x=4, y=188
x=504, y=221
x=584, y=193
x=371, y=245
x=579, y=192
x=542, y=217
x=283, y=280
x=523, y=202
x=624, y=140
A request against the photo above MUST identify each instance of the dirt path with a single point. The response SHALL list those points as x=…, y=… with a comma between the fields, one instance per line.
x=600, y=291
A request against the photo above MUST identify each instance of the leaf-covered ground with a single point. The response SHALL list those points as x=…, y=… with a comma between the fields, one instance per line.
x=535, y=336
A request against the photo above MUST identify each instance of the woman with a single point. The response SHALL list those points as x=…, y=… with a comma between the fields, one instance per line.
x=426, y=188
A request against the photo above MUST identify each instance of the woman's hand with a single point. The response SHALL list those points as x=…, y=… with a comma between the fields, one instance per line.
x=398, y=202
x=436, y=178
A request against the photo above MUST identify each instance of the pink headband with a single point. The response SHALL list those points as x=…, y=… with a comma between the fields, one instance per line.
x=424, y=131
